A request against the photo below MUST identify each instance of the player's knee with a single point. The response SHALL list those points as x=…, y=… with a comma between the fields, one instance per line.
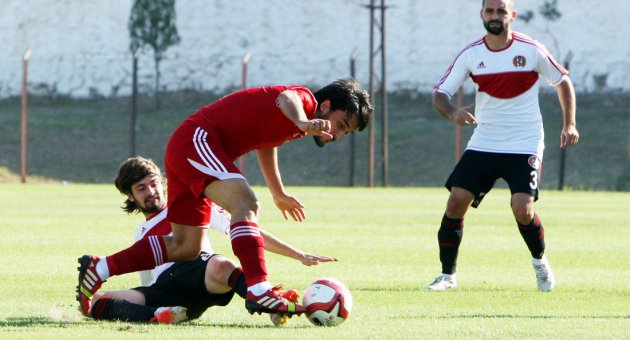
x=523, y=214
x=247, y=208
x=222, y=267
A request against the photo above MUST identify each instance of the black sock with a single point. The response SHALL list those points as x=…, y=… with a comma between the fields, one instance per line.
x=117, y=309
x=237, y=282
x=449, y=237
x=534, y=236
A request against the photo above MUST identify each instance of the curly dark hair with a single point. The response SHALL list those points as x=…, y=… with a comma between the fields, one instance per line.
x=346, y=94
x=130, y=172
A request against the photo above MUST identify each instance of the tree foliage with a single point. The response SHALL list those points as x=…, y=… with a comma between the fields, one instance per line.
x=152, y=23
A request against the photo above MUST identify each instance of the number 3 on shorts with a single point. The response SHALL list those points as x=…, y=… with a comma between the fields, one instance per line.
x=534, y=182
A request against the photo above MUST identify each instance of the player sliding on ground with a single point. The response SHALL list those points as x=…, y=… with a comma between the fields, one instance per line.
x=175, y=292
x=200, y=170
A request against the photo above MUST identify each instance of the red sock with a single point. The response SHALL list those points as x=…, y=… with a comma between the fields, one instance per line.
x=249, y=247
x=147, y=253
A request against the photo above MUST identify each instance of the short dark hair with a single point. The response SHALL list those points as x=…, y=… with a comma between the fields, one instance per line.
x=130, y=172
x=483, y=3
x=346, y=94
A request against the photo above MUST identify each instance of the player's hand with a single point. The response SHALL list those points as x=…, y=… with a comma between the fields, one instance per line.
x=290, y=206
x=463, y=116
x=318, y=127
x=312, y=260
x=569, y=136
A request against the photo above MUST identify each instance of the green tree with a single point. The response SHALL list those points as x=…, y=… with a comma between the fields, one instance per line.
x=152, y=22
x=550, y=13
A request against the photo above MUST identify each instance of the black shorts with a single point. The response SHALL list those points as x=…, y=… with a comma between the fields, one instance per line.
x=182, y=284
x=477, y=172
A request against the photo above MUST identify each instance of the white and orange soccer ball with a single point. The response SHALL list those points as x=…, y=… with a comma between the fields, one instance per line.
x=328, y=302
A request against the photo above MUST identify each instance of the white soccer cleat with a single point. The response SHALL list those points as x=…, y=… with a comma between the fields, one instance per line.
x=544, y=275
x=170, y=315
x=443, y=282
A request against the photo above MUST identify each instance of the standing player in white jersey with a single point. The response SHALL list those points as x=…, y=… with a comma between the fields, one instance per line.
x=507, y=143
x=174, y=292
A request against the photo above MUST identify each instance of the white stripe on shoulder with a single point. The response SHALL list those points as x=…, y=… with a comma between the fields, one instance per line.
x=448, y=71
x=145, y=227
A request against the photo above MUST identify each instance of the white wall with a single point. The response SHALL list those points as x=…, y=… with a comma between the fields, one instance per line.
x=80, y=47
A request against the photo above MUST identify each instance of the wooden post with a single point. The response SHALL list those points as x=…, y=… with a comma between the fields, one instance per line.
x=25, y=59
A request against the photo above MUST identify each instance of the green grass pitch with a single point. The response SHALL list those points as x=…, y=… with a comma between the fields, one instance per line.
x=386, y=242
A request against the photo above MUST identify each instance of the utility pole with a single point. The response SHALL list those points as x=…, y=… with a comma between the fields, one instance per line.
x=374, y=51
x=353, y=72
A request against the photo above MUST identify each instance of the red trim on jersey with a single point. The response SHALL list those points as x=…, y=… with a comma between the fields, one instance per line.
x=450, y=68
x=501, y=49
x=527, y=40
x=505, y=85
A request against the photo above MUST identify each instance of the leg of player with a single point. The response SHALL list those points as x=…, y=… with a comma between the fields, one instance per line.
x=147, y=253
x=235, y=196
x=129, y=305
x=450, y=237
x=533, y=232
x=223, y=275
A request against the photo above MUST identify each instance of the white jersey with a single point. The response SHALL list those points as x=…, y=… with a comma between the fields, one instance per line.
x=506, y=104
x=159, y=225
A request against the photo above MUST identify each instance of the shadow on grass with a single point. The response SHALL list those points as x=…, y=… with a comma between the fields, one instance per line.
x=126, y=326
x=35, y=321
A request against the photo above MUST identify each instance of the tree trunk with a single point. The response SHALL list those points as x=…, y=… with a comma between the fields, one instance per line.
x=157, y=83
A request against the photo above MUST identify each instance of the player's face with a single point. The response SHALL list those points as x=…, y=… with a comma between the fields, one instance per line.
x=341, y=124
x=497, y=16
x=148, y=194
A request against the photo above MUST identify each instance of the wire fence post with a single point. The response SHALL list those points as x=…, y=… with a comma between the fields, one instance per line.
x=25, y=59
x=353, y=63
x=244, y=62
x=134, y=100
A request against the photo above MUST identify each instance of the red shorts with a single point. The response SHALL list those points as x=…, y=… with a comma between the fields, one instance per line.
x=194, y=158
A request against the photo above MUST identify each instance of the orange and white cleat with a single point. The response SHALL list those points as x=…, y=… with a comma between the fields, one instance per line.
x=89, y=282
x=280, y=320
x=171, y=315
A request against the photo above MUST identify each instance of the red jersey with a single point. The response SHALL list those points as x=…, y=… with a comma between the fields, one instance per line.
x=249, y=119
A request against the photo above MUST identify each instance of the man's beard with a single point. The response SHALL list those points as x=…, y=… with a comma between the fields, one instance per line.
x=319, y=141
x=156, y=206
x=494, y=30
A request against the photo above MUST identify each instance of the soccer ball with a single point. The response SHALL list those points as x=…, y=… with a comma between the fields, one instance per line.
x=328, y=302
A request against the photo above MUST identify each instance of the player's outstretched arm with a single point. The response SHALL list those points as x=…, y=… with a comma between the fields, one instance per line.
x=275, y=245
x=288, y=204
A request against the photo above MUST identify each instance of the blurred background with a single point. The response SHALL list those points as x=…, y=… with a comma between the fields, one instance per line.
x=84, y=114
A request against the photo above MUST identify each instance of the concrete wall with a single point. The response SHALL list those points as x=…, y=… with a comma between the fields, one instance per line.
x=80, y=47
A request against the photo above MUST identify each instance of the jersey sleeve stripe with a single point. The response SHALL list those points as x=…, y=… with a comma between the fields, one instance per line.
x=543, y=50
x=450, y=68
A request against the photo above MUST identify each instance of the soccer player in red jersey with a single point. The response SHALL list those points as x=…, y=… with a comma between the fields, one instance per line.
x=508, y=141
x=200, y=170
x=175, y=292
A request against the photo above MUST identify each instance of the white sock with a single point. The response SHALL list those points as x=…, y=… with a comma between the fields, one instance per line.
x=102, y=269
x=540, y=262
x=259, y=288
x=449, y=276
